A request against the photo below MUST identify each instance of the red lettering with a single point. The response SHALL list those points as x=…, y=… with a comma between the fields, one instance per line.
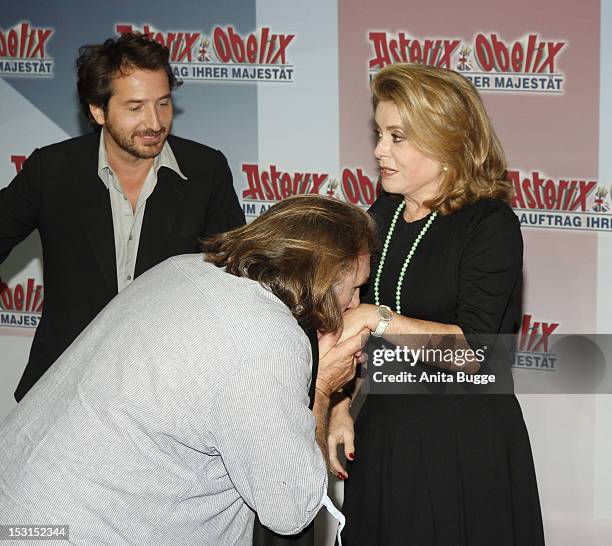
x=29, y=294
x=6, y=296
x=251, y=49
x=239, y=54
x=350, y=186
x=317, y=180
x=43, y=36
x=123, y=29
x=222, y=45
x=271, y=47
x=265, y=32
x=553, y=50
x=12, y=43
x=381, y=50
x=366, y=188
x=484, y=53
x=449, y=49
x=18, y=297
x=19, y=300
x=517, y=57
x=18, y=161
x=547, y=330
x=502, y=58
x=416, y=52
x=267, y=184
x=525, y=327
x=283, y=43
x=517, y=202
x=404, y=45
x=531, y=202
x=531, y=48
x=22, y=41
x=550, y=193
x=254, y=189
x=394, y=50
x=285, y=184
x=305, y=183
x=36, y=307
x=584, y=191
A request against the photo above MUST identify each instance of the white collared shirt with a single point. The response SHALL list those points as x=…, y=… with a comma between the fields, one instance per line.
x=127, y=223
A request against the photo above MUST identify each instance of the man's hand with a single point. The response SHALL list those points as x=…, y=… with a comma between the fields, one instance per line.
x=337, y=361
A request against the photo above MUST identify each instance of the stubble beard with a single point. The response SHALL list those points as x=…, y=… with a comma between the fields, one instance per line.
x=128, y=144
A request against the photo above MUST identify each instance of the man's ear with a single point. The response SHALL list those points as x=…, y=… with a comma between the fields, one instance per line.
x=98, y=113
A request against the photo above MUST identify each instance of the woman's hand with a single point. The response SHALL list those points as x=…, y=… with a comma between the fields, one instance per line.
x=340, y=432
x=364, y=316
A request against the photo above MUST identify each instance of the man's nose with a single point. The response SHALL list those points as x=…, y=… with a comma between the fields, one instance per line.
x=152, y=120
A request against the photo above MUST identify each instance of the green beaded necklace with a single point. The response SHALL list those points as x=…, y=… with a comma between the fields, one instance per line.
x=400, y=280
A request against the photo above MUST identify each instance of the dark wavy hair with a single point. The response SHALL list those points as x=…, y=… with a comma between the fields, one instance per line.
x=299, y=249
x=98, y=64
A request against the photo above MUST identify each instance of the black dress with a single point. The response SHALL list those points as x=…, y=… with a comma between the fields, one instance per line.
x=447, y=469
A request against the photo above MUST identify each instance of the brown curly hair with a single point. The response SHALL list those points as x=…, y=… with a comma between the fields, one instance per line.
x=444, y=117
x=299, y=249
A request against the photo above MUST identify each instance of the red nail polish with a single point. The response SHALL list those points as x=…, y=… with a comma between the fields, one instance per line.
x=341, y=476
x=351, y=456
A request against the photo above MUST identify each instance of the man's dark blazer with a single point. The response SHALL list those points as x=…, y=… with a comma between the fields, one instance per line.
x=60, y=193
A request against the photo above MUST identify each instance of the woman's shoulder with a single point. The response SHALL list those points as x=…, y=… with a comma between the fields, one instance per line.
x=486, y=224
x=490, y=212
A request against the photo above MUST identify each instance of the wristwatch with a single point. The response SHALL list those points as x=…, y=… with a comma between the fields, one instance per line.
x=384, y=318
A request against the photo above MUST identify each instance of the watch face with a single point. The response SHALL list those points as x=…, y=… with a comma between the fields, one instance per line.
x=385, y=312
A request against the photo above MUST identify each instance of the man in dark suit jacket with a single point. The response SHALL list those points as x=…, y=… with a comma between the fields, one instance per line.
x=112, y=204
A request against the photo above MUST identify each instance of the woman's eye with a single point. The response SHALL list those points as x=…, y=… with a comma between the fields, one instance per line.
x=397, y=138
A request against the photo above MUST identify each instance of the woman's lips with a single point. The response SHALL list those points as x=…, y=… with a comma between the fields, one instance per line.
x=386, y=172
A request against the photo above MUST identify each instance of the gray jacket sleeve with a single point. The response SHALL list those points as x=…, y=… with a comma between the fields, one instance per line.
x=265, y=435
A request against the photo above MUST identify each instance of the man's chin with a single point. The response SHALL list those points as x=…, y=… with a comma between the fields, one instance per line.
x=147, y=152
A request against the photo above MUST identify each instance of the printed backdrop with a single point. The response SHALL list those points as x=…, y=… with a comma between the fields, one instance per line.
x=282, y=89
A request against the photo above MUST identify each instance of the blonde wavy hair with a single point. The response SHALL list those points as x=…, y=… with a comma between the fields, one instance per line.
x=299, y=249
x=444, y=117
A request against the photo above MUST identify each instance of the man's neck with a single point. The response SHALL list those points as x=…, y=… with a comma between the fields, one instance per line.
x=131, y=171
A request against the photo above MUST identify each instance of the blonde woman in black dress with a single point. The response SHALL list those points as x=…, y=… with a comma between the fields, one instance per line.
x=439, y=469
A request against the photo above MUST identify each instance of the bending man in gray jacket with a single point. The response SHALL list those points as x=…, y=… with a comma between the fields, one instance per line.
x=182, y=409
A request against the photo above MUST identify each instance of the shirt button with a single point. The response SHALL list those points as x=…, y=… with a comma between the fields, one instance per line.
x=130, y=238
x=129, y=277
